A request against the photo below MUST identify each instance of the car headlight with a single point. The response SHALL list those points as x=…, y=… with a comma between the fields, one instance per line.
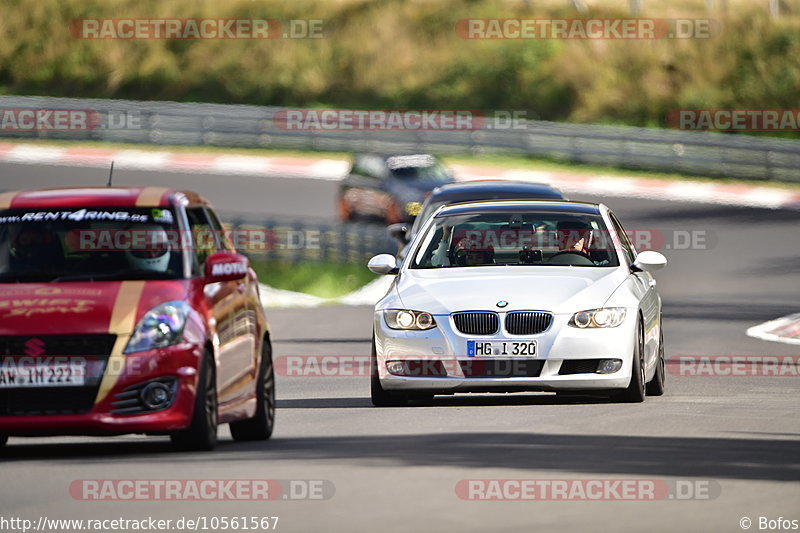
x=160, y=327
x=607, y=317
x=405, y=319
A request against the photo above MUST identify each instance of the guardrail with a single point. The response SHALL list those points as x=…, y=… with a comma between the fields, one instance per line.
x=310, y=240
x=171, y=123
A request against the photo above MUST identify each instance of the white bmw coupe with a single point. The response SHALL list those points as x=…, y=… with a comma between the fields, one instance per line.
x=505, y=296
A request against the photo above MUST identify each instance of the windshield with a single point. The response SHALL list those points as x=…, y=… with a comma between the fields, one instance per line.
x=417, y=167
x=502, y=239
x=115, y=243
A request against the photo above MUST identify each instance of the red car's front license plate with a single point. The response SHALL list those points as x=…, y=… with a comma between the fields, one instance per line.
x=15, y=374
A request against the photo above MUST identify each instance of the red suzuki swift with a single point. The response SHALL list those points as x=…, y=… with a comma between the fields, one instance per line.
x=127, y=310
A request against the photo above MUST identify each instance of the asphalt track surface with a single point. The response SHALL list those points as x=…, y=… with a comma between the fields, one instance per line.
x=397, y=469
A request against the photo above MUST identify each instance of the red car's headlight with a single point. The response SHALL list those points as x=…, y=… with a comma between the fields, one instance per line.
x=160, y=327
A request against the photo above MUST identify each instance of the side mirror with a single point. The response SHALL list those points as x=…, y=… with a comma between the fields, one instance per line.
x=226, y=266
x=383, y=264
x=399, y=232
x=650, y=261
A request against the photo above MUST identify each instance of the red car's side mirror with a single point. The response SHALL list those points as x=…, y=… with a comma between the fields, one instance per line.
x=226, y=266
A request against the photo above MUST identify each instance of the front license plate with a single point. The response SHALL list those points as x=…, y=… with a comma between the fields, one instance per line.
x=20, y=375
x=491, y=348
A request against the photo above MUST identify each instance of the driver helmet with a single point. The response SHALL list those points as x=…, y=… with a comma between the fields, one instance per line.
x=150, y=248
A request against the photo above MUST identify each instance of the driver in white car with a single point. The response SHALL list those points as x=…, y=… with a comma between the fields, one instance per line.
x=574, y=236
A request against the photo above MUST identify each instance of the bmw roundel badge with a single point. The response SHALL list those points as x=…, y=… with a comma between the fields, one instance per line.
x=502, y=303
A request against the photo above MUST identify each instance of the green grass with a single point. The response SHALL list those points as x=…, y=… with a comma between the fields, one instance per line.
x=326, y=280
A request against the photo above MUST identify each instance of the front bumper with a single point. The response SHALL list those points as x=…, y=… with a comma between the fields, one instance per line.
x=557, y=344
x=180, y=362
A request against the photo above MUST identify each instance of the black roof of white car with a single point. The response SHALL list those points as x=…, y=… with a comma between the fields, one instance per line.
x=516, y=206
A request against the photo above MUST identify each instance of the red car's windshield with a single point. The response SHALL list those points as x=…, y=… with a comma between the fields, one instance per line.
x=116, y=243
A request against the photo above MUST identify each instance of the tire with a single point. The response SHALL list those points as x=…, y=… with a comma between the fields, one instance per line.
x=260, y=426
x=635, y=393
x=201, y=435
x=380, y=397
x=656, y=385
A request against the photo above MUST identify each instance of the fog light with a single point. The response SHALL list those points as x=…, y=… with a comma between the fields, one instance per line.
x=609, y=366
x=155, y=395
x=396, y=368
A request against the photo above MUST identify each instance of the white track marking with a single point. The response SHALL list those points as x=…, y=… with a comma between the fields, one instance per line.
x=785, y=329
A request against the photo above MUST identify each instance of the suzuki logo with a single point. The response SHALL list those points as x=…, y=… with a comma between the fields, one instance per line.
x=34, y=346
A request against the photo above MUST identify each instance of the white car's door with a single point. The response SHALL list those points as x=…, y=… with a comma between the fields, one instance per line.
x=644, y=286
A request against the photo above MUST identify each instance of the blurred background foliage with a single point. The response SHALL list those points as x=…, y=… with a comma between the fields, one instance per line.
x=406, y=54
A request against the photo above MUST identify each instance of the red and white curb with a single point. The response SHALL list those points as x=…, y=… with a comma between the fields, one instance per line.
x=785, y=329
x=335, y=170
x=680, y=190
x=296, y=167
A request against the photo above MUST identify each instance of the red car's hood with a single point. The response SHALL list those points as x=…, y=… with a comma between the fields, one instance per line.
x=82, y=307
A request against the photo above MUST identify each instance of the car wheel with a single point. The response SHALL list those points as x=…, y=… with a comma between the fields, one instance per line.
x=260, y=426
x=380, y=397
x=656, y=385
x=345, y=213
x=635, y=392
x=201, y=434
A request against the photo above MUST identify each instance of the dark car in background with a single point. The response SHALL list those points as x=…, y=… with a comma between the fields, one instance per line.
x=472, y=191
x=389, y=187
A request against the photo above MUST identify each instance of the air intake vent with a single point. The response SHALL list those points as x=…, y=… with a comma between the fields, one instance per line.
x=527, y=322
x=476, y=322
